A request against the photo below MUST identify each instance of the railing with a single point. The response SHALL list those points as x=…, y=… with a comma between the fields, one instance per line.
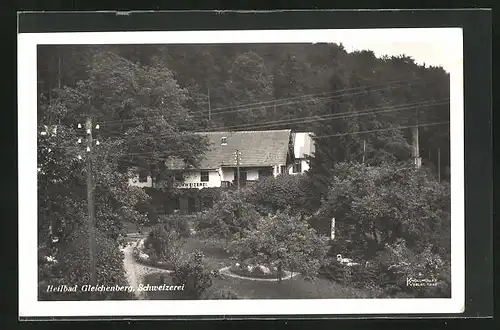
x=226, y=184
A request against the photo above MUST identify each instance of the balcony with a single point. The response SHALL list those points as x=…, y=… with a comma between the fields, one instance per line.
x=226, y=184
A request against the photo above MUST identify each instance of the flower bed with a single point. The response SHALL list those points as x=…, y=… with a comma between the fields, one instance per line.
x=256, y=272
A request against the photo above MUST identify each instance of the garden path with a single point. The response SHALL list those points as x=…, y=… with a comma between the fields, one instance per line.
x=135, y=272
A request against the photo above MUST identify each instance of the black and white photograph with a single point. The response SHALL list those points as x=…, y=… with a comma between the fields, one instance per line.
x=249, y=172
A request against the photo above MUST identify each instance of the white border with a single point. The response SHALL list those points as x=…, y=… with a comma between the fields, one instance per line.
x=27, y=100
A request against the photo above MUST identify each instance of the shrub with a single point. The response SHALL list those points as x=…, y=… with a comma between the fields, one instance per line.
x=360, y=276
x=257, y=271
x=272, y=194
x=177, y=222
x=163, y=246
x=282, y=240
x=73, y=267
x=229, y=217
x=375, y=206
x=397, y=263
x=196, y=277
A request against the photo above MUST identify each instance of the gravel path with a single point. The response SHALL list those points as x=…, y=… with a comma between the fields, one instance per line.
x=135, y=272
x=226, y=271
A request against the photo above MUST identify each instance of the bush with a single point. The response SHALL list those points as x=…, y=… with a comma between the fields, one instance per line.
x=285, y=241
x=150, y=258
x=397, y=263
x=360, y=276
x=163, y=247
x=376, y=206
x=73, y=268
x=257, y=271
x=229, y=217
x=177, y=222
x=284, y=192
x=194, y=275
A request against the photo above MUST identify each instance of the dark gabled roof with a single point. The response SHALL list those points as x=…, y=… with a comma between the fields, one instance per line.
x=257, y=148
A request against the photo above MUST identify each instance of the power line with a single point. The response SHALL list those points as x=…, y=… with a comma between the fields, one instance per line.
x=380, y=130
x=314, y=94
x=348, y=114
x=312, y=119
x=343, y=115
x=273, y=103
x=336, y=135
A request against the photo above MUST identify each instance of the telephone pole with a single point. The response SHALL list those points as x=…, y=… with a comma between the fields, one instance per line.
x=439, y=165
x=209, y=105
x=238, y=169
x=414, y=134
x=415, y=145
x=90, y=205
x=364, y=150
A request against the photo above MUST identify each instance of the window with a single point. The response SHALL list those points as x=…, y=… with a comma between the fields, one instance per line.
x=143, y=176
x=297, y=167
x=223, y=141
x=283, y=169
x=178, y=176
x=204, y=176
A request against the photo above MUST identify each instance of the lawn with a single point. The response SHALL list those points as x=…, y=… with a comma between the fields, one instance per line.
x=296, y=288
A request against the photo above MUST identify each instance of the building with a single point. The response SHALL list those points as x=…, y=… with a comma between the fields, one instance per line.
x=303, y=147
x=260, y=153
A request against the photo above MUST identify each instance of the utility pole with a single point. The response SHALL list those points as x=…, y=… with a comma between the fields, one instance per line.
x=90, y=205
x=439, y=165
x=414, y=135
x=237, y=155
x=209, y=105
x=364, y=150
x=415, y=146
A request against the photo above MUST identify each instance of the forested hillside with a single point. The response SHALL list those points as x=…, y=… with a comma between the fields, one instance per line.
x=307, y=87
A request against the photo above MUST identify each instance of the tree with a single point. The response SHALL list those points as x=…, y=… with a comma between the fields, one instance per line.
x=375, y=206
x=281, y=193
x=294, y=79
x=70, y=267
x=285, y=241
x=229, y=217
x=249, y=82
x=164, y=244
x=142, y=120
x=194, y=275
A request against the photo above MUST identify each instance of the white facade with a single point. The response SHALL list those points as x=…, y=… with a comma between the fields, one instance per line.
x=252, y=175
x=193, y=180
x=227, y=174
x=303, y=146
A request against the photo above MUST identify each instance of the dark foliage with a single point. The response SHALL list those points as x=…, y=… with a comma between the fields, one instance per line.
x=196, y=277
